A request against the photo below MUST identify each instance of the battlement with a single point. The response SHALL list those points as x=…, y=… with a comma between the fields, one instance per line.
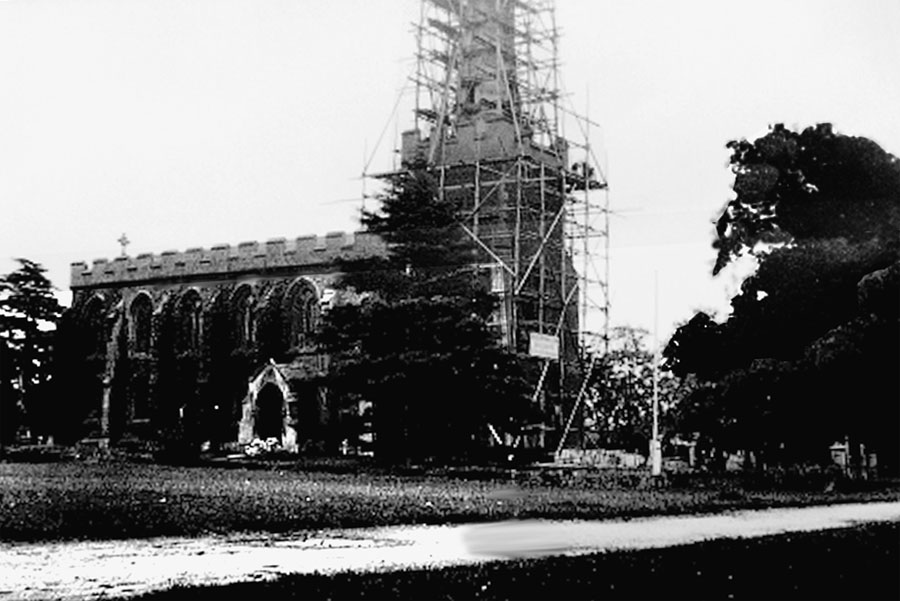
x=222, y=259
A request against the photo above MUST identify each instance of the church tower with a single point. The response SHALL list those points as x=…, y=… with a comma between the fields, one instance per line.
x=487, y=124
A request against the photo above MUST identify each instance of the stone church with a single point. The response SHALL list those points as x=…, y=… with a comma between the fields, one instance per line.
x=214, y=345
x=208, y=345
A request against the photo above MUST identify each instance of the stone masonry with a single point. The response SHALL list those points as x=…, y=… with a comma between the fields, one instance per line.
x=181, y=345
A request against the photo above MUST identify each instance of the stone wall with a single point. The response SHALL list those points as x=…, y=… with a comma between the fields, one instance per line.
x=310, y=252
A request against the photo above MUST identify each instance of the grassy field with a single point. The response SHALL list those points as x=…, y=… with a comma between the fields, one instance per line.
x=858, y=563
x=80, y=500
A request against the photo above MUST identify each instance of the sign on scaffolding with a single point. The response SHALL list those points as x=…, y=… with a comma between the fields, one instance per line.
x=543, y=345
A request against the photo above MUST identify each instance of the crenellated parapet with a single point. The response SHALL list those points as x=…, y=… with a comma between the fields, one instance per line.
x=306, y=252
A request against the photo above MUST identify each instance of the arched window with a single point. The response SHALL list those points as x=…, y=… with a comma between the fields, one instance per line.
x=95, y=327
x=303, y=312
x=310, y=313
x=141, y=312
x=190, y=325
x=242, y=305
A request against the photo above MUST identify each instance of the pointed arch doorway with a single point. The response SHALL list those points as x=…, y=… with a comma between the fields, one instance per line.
x=266, y=409
x=270, y=413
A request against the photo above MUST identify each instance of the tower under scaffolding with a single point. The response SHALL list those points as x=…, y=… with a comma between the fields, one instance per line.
x=488, y=123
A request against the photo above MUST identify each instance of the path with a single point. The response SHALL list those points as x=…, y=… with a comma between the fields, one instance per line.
x=89, y=570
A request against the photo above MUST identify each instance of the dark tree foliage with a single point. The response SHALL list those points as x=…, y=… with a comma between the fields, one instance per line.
x=417, y=341
x=697, y=348
x=9, y=408
x=809, y=354
x=76, y=386
x=29, y=312
x=814, y=184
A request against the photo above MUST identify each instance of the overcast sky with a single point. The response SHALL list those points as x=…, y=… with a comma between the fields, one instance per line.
x=194, y=122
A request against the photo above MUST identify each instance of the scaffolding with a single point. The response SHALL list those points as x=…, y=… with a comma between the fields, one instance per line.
x=489, y=120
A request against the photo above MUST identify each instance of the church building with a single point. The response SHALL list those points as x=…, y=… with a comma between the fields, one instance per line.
x=208, y=345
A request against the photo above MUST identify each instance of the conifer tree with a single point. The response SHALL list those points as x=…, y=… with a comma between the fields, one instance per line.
x=29, y=312
x=418, y=341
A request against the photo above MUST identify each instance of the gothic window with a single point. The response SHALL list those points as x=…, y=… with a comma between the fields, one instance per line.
x=303, y=312
x=309, y=313
x=190, y=321
x=141, y=311
x=95, y=327
x=242, y=307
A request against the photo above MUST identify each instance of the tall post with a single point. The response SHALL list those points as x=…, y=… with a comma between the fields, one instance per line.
x=476, y=201
x=563, y=300
x=517, y=255
x=542, y=266
x=655, y=446
x=606, y=271
x=586, y=232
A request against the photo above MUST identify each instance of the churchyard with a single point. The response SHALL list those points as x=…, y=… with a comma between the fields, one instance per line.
x=67, y=500
x=91, y=499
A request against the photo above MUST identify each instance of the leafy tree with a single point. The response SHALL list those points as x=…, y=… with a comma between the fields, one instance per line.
x=29, y=312
x=809, y=353
x=620, y=399
x=811, y=185
x=697, y=348
x=417, y=342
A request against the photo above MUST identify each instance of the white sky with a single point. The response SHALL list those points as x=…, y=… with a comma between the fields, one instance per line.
x=195, y=122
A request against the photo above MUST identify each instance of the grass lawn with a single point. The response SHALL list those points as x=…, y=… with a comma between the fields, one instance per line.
x=856, y=563
x=79, y=500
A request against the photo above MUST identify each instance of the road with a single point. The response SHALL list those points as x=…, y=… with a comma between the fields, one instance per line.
x=95, y=569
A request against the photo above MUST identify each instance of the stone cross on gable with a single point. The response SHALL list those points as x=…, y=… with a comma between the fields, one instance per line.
x=124, y=242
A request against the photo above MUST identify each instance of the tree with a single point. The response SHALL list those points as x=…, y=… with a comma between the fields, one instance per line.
x=417, y=342
x=811, y=185
x=809, y=353
x=620, y=397
x=9, y=405
x=29, y=312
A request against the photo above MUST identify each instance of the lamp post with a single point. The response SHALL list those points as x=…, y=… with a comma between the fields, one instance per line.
x=655, y=446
